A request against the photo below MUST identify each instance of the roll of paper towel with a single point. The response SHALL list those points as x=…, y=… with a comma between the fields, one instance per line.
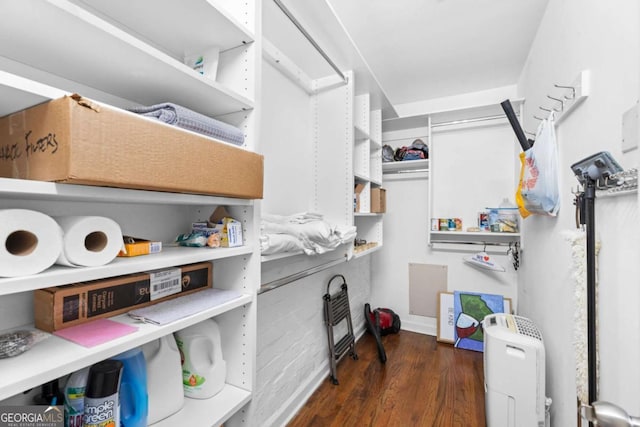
x=30, y=242
x=88, y=241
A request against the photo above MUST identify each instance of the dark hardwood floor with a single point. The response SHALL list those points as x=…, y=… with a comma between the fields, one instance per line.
x=423, y=383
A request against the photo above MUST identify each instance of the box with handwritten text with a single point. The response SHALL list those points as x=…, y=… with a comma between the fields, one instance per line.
x=76, y=140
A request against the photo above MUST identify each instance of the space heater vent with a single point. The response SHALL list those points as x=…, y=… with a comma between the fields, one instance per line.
x=527, y=327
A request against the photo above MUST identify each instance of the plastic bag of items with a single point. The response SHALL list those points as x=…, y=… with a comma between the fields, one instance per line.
x=418, y=150
x=15, y=343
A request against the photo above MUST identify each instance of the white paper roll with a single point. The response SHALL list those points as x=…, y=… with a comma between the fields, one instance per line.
x=88, y=241
x=30, y=242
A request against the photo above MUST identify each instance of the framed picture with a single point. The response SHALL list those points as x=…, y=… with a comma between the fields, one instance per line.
x=446, y=316
x=446, y=322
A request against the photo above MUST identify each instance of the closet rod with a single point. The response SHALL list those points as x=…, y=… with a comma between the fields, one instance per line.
x=405, y=139
x=462, y=242
x=299, y=275
x=477, y=119
x=304, y=32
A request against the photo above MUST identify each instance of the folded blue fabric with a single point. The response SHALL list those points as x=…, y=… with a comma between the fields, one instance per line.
x=184, y=118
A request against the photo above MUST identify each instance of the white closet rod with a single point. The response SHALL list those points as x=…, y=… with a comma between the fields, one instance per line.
x=405, y=139
x=304, y=32
x=464, y=121
x=299, y=275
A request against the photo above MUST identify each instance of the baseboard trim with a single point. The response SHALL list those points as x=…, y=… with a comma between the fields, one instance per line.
x=420, y=328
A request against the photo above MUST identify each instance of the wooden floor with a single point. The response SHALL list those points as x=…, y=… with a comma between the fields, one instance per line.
x=423, y=383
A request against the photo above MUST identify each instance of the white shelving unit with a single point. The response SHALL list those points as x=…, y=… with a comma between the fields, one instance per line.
x=424, y=125
x=95, y=52
x=236, y=317
x=367, y=169
x=112, y=52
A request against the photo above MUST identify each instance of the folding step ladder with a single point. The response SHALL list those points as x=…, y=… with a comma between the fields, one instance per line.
x=336, y=309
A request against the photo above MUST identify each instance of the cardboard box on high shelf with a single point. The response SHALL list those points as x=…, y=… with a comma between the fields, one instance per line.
x=59, y=307
x=76, y=140
x=378, y=200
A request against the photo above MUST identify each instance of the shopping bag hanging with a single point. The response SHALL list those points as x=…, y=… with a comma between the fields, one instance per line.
x=540, y=184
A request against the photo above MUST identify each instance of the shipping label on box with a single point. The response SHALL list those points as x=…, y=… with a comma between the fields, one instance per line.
x=165, y=283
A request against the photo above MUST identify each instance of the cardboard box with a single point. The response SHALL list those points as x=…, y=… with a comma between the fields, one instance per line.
x=134, y=246
x=230, y=229
x=378, y=200
x=63, y=306
x=75, y=140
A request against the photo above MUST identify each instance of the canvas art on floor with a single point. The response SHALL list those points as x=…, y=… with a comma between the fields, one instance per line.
x=468, y=310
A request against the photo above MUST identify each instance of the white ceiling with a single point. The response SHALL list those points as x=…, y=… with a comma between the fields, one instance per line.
x=424, y=49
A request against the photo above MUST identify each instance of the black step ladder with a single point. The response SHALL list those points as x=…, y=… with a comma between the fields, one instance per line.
x=336, y=309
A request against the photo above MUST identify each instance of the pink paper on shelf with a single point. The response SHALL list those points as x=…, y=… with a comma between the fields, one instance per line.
x=97, y=332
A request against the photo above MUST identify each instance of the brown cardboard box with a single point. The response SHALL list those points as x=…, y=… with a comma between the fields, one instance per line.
x=63, y=306
x=378, y=200
x=75, y=140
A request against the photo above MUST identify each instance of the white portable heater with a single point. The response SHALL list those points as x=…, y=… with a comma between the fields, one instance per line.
x=514, y=372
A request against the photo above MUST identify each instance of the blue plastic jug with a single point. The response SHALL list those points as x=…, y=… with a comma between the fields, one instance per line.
x=134, y=400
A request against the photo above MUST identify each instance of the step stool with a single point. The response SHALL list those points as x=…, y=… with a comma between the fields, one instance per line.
x=336, y=309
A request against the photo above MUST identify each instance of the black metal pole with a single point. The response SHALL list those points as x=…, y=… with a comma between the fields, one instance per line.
x=525, y=144
x=589, y=204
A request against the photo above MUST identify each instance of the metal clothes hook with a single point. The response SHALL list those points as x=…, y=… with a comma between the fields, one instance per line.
x=573, y=90
x=559, y=100
x=549, y=110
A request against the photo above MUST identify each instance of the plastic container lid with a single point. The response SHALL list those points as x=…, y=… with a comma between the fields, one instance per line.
x=104, y=378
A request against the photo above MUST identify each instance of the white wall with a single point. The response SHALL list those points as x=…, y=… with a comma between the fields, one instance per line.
x=405, y=241
x=603, y=37
x=293, y=352
x=286, y=143
x=472, y=168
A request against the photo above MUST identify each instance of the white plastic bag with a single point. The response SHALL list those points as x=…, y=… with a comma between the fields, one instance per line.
x=540, y=184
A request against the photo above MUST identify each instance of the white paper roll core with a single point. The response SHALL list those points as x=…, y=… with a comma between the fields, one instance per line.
x=30, y=242
x=88, y=241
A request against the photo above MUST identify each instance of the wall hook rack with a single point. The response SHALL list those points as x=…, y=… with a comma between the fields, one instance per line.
x=621, y=183
x=571, y=96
